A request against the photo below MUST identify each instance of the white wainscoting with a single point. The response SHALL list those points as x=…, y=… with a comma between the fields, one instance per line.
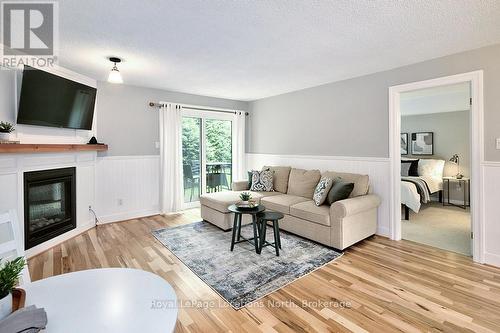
x=491, y=212
x=127, y=187
x=377, y=168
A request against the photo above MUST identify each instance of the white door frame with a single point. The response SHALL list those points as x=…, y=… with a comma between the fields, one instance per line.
x=477, y=152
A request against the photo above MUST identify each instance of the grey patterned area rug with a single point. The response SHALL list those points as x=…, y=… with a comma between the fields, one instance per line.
x=243, y=276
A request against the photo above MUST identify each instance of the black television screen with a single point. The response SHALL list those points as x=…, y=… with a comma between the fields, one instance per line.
x=50, y=100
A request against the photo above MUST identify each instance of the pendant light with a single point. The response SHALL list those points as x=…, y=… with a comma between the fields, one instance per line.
x=114, y=75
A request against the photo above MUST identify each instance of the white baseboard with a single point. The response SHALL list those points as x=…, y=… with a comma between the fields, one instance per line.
x=127, y=216
x=492, y=259
x=382, y=231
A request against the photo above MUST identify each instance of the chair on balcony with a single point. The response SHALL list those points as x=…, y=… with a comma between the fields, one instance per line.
x=191, y=179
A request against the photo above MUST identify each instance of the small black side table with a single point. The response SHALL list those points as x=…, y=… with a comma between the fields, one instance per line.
x=466, y=189
x=237, y=238
x=271, y=217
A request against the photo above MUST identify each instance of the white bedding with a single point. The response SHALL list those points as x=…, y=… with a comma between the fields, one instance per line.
x=434, y=183
x=409, y=193
x=410, y=196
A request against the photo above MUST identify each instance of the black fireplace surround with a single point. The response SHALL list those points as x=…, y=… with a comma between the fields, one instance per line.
x=49, y=204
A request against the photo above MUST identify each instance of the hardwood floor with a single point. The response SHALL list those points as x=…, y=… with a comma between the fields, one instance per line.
x=387, y=286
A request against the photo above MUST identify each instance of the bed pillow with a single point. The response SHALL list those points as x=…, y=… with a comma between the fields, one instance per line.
x=431, y=168
x=409, y=168
x=262, y=181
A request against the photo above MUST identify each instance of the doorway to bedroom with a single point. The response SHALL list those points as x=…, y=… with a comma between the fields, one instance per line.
x=425, y=141
x=435, y=166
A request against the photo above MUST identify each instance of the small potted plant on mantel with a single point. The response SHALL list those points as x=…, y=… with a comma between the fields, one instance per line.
x=5, y=130
x=10, y=271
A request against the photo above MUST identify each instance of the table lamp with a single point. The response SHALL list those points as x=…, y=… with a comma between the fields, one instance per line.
x=456, y=159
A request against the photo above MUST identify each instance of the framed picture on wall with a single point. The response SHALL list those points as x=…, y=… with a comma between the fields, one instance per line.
x=422, y=143
x=404, y=143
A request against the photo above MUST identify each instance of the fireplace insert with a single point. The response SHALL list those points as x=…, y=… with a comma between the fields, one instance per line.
x=49, y=204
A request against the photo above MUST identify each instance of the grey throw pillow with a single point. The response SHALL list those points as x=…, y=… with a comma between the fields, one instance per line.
x=322, y=189
x=340, y=190
x=405, y=169
x=262, y=181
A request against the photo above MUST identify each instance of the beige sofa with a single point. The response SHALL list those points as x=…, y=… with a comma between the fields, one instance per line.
x=340, y=225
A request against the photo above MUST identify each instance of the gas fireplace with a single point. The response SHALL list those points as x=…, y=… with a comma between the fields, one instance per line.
x=49, y=204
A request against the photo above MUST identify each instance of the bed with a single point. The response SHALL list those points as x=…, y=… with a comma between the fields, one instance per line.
x=417, y=189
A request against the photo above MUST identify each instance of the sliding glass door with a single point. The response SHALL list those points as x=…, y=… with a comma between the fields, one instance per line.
x=207, y=155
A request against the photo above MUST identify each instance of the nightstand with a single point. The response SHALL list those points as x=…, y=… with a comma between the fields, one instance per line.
x=466, y=184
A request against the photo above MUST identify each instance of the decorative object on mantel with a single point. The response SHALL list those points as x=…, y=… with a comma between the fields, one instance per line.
x=10, y=272
x=5, y=129
x=456, y=159
x=93, y=141
x=49, y=148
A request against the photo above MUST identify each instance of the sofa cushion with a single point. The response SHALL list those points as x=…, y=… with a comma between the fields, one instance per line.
x=281, y=203
x=280, y=177
x=309, y=211
x=303, y=182
x=221, y=200
x=361, y=182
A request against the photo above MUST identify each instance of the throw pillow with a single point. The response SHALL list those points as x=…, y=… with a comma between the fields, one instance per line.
x=249, y=179
x=262, y=181
x=340, y=190
x=322, y=189
x=412, y=168
x=405, y=168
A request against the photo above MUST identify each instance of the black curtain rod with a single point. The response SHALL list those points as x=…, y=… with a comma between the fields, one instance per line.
x=158, y=105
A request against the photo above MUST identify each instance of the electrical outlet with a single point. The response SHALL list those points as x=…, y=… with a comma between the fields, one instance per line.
x=498, y=143
x=120, y=202
x=157, y=145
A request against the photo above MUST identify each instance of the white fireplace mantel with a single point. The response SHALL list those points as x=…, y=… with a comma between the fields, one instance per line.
x=12, y=168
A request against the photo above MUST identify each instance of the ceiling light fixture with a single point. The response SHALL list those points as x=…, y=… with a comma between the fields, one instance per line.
x=115, y=76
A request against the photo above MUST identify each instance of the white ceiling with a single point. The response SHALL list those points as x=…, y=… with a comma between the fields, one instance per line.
x=449, y=98
x=252, y=49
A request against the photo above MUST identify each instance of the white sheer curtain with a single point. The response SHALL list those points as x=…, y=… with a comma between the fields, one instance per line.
x=239, y=158
x=170, y=158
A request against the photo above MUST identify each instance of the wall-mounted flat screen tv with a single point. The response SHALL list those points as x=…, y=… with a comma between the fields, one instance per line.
x=50, y=100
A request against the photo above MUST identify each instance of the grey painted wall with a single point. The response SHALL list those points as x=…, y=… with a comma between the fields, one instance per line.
x=129, y=126
x=7, y=95
x=451, y=136
x=350, y=118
